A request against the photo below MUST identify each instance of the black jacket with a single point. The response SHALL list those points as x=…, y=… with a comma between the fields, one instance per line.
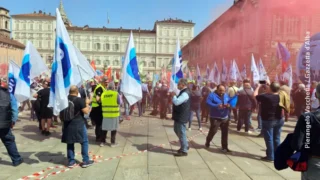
x=307, y=130
x=246, y=100
x=181, y=113
x=195, y=100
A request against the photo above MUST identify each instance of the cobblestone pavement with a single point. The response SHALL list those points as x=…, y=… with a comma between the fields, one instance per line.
x=145, y=151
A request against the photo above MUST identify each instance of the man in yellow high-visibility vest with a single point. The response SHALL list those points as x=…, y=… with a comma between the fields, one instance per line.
x=96, y=112
x=110, y=102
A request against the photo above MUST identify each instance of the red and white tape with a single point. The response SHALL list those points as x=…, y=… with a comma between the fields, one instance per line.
x=37, y=174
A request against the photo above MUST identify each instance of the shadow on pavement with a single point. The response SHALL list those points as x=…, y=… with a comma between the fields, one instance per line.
x=24, y=155
x=218, y=151
x=152, y=148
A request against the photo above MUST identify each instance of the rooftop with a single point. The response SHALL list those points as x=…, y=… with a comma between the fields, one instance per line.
x=9, y=41
x=170, y=20
x=4, y=8
x=35, y=14
x=104, y=29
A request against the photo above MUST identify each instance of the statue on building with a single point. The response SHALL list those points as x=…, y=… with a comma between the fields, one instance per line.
x=64, y=15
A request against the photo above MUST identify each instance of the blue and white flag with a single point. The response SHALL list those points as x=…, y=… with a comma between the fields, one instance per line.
x=233, y=71
x=207, y=72
x=244, y=72
x=131, y=82
x=64, y=68
x=224, y=73
x=239, y=77
x=32, y=67
x=13, y=75
x=211, y=76
x=86, y=70
x=254, y=70
x=176, y=71
x=262, y=72
x=216, y=75
x=199, y=78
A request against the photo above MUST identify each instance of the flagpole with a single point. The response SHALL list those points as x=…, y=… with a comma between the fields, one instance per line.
x=85, y=90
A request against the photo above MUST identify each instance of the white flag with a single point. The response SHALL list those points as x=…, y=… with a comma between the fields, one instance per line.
x=262, y=72
x=13, y=75
x=86, y=70
x=176, y=71
x=239, y=78
x=233, y=71
x=216, y=74
x=64, y=68
x=131, y=83
x=32, y=67
x=254, y=70
x=199, y=78
x=224, y=73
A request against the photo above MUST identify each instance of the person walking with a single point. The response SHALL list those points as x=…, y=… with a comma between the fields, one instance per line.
x=306, y=139
x=232, y=91
x=299, y=99
x=164, y=100
x=181, y=114
x=205, y=91
x=110, y=102
x=246, y=104
x=46, y=113
x=74, y=130
x=272, y=119
x=195, y=106
x=8, y=118
x=218, y=102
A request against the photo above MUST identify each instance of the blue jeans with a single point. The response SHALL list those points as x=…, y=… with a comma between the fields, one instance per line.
x=259, y=122
x=272, y=132
x=198, y=117
x=126, y=108
x=8, y=140
x=180, y=130
x=84, y=148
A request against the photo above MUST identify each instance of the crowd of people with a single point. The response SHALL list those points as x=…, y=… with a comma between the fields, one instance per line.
x=219, y=104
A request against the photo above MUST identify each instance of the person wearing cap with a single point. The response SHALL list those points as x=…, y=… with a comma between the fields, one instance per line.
x=110, y=102
x=96, y=111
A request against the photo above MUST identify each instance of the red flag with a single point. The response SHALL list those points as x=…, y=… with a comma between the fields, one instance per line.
x=108, y=73
x=93, y=65
x=118, y=75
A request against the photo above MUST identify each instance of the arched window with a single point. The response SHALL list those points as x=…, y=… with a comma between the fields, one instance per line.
x=106, y=63
x=152, y=64
x=98, y=62
x=116, y=63
x=6, y=25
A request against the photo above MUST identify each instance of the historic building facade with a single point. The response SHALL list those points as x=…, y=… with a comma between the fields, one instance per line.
x=9, y=48
x=254, y=26
x=106, y=46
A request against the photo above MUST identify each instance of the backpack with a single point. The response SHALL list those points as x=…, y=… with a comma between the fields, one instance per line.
x=68, y=113
x=5, y=109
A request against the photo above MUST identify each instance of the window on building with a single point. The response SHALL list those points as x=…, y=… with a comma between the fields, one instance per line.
x=107, y=46
x=116, y=47
x=106, y=63
x=98, y=62
x=31, y=26
x=49, y=44
x=40, y=44
x=24, y=26
x=49, y=27
x=144, y=64
x=7, y=25
x=17, y=26
x=40, y=26
x=116, y=62
x=152, y=64
x=88, y=45
x=97, y=46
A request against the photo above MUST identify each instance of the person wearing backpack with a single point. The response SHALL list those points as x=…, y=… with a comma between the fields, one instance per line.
x=306, y=140
x=74, y=129
x=110, y=102
x=8, y=118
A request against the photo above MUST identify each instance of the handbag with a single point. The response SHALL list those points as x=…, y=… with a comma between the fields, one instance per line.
x=299, y=160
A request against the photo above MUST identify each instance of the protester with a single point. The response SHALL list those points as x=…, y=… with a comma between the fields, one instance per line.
x=156, y=99
x=263, y=89
x=195, y=106
x=145, y=95
x=232, y=91
x=246, y=104
x=164, y=100
x=299, y=99
x=284, y=87
x=8, y=118
x=96, y=111
x=75, y=131
x=306, y=140
x=218, y=102
x=272, y=120
x=205, y=91
x=180, y=115
x=46, y=113
x=110, y=101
